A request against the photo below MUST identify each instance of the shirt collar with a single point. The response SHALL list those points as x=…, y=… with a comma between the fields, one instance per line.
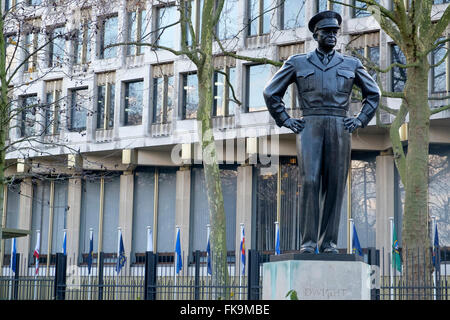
x=322, y=54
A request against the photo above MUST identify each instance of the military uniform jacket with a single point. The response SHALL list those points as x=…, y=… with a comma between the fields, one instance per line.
x=322, y=89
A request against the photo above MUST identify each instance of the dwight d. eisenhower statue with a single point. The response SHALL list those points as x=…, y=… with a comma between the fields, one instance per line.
x=324, y=79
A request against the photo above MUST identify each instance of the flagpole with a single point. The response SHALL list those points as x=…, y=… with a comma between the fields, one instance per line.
x=391, y=274
x=177, y=229
x=433, y=219
x=91, y=233
x=36, y=268
x=351, y=235
x=11, y=267
x=277, y=229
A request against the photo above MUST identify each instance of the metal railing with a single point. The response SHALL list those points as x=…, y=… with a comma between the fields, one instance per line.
x=155, y=279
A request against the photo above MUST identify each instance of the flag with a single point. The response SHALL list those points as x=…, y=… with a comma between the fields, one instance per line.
x=149, y=239
x=179, y=265
x=396, y=259
x=120, y=254
x=436, y=249
x=13, y=255
x=242, y=248
x=64, y=247
x=277, y=238
x=356, y=247
x=208, y=254
x=317, y=249
x=91, y=251
x=36, y=252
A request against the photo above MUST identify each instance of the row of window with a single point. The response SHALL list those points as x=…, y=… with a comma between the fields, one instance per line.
x=138, y=22
x=164, y=91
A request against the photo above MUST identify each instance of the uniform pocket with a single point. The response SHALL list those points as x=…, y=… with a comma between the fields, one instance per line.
x=305, y=80
x=345, y=80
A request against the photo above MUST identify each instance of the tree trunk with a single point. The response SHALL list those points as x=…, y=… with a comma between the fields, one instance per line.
x=416, y=254
x=212, y=179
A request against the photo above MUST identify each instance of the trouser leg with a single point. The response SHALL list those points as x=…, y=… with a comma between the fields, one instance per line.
x=336, y=161
x=309, y=153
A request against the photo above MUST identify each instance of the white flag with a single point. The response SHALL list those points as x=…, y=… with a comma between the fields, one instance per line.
x=36, y=251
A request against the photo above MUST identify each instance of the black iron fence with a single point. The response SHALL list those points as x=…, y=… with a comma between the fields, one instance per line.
x=155, y=277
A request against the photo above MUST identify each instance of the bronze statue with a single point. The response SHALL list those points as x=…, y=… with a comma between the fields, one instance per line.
x=324, y=79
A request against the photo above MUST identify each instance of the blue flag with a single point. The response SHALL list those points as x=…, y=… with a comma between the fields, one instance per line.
x=64, y=247
x=242, y=249
x=91, y=252
x=277, y=239
x=13, y=255
x=121, y=255
x=436, y=249
x=355, y=243
x=208, y=256
x=179, y=265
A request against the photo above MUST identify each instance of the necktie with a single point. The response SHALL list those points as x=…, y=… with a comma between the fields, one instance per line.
x=326, y=59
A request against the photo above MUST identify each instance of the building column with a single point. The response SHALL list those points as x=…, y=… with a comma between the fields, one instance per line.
x=126, y=211
x=244, y=199
x=385, y=204
x=73, y=219
x=25, y=214
x=182, y=210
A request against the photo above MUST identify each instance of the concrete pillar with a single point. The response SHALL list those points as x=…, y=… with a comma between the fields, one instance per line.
x=385, y=204
x=73, y=219
x=25, y=214
x=183, y=205
x=244, y=199
x=126, y=211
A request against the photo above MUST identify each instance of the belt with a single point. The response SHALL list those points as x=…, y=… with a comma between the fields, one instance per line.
x=324, y=112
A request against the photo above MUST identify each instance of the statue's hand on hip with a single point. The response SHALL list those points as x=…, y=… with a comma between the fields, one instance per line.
x=295, y=125
x=351, y=124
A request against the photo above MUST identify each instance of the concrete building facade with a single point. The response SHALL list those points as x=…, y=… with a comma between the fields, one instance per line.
x=124, y=151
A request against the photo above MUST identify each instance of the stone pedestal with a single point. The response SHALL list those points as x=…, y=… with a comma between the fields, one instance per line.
x=316, y=277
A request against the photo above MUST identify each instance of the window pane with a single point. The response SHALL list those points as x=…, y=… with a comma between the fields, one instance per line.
x=110, y=34
x=59, y=215
x=231, y=104
x=57, y=47
x=266, y=209
x=41, y=213
x=364, y=200
x=89, y=215
x=143, y=204
x=439, y=190
x=253, y=14
x=170, y=97
x=219, y=86
x=293, y=14
x=228, y=26
x=398, y=74
x=321, y=5
x=29, y=105
x=79, y=106
x=158, y=100
x=166, y=210
x=167, y=35
x=201, y=208
x=360, y=12
x=267, y=14
x=190, y=89
x=131, y=32
x=257, y=77
x=439, y=72
x=111, y=214
x=101, y=106
x=49, y=113
x=133, y=102
x=374, y=57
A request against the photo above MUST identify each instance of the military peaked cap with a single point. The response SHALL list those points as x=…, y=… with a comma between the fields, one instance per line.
x=325, y=19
